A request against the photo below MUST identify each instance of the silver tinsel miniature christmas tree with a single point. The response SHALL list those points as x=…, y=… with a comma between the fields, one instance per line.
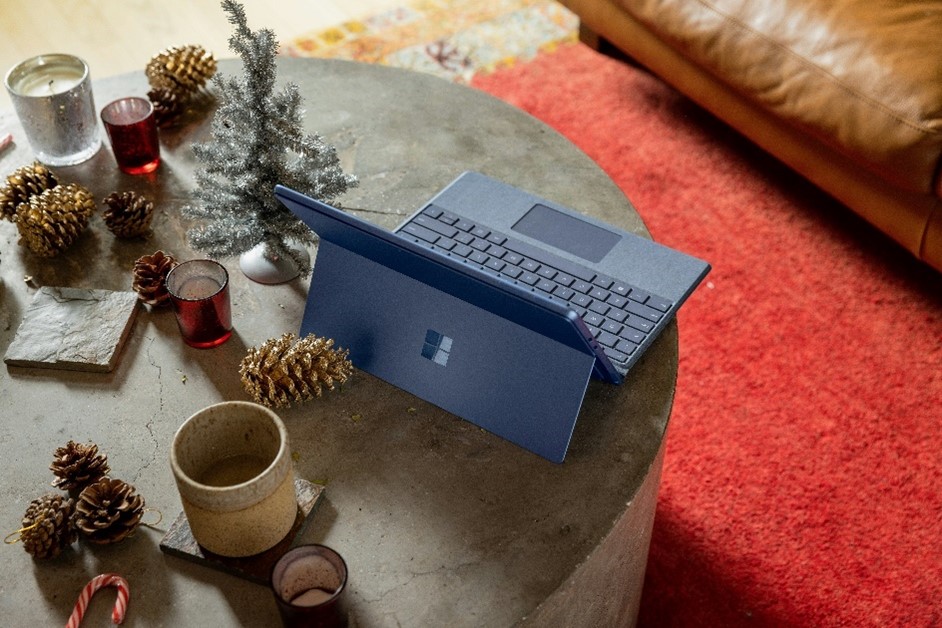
x=258, y=140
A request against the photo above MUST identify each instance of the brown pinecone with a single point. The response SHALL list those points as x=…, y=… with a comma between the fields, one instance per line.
x=24, y=183
x=50, y=222
x=108, y=511
x=150, y=277
x=286, y=369
x=77, y=465
x=128, y=214
x=47, y=525
x=168, y=104
x=181, y=69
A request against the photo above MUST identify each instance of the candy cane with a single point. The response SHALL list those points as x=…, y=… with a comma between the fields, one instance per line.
x=104, y=580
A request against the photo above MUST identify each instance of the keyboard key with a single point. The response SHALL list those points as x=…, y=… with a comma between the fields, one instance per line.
x=599, y=308
x=434, y=225
x=496, y=250
x=513, y=258
x=582, y=286
x=619, y=316
x=621, y=289
x=529, y=278
x=564, y=279
x=496, y=238
x=616, y=356
x=640, y=323
x=581, y=299
x=632, y=335
x=638, y=296
x=626, y=346
x=593, y=320
x=598, y=294
x=616, y=300
x=546, y=286
x=421, y=232
x=564, y=293
x=511, y=271
x=644, y=312
x=612, y=327
x=530, y=265
x=448, y=218
x=433, y=211
x=480, y=245
x=478, y=257
x=464, y=238
x=446, y=244
x=658, y=303
x=606, y=339
x=546, y=272
x=480, y=232
x=464, y=225
x=603, y=282
x=495, y=264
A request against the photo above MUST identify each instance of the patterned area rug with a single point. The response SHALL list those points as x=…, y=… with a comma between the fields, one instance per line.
x=453, y=39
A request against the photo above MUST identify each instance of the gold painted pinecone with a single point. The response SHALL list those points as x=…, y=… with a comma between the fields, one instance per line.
x=182, y=69
x=50, y=222
x=128, y=214
x=47, y=526
x=76, y=465
x=150, y=277
x=24, y=183
x=107, y=511
x=286, y=369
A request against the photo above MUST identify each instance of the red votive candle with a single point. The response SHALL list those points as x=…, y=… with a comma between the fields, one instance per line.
x=308, y=583
x=199, y=293
x=132, y=129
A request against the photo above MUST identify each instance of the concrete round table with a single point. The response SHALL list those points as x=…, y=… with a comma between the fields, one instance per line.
x=441, y=523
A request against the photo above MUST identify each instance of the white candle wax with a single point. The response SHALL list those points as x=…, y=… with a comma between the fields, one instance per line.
x=49, y=81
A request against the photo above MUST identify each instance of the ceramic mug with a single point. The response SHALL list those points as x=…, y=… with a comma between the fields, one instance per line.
x=233, y=469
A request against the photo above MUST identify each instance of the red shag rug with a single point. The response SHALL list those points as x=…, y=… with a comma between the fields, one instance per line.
x=803, y=477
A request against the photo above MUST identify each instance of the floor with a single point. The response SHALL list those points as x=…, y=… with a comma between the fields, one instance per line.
x=116, y=36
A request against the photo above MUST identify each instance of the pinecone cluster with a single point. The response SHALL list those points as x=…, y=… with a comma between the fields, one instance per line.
x=286, y=369
x=50, y=222
x=128, y=214
x=150, y=278
x=106, y=510
x=175, y=76
x=50, y=216
x=24, y=183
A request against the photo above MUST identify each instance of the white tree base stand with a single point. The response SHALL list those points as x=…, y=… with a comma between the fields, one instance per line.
x=261, y=268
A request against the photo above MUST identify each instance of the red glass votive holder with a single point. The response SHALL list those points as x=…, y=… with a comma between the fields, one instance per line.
x=199, y=293
x=308, y=583
x=132, y=129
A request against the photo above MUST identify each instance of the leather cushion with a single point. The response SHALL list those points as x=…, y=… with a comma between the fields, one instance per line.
x=863, y=76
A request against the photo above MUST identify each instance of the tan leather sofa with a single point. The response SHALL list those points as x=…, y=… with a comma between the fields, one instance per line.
x=846, y=92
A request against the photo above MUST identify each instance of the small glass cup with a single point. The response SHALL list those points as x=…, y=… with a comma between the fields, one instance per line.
x=52, y=96
x=199, y=293
x=308, y=583
x=132, y=129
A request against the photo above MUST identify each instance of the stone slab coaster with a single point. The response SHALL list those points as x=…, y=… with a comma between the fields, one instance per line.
x=73, y=329
x=179, y=540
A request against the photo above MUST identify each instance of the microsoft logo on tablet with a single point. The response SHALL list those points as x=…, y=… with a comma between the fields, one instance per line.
x=437, y=347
